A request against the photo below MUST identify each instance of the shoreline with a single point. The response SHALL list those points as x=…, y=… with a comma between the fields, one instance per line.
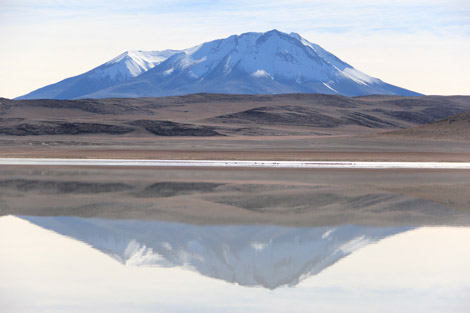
x=234, y=164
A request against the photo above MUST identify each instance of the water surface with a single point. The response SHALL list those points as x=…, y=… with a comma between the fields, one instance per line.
x=89, y=240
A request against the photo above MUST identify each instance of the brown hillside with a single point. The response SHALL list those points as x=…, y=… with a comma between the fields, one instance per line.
x=454, y=127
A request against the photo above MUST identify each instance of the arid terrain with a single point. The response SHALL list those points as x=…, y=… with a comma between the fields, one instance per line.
x=245, y=127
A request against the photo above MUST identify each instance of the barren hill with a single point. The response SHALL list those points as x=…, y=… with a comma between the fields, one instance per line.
x=454, y=127
x=224, y=115
x=221, y=126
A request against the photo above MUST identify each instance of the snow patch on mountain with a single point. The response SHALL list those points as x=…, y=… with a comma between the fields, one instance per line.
x=327, y=86
x=168, y=71
x=344, y=68
x=261, y=73
x=131, y=64
x=358, y=76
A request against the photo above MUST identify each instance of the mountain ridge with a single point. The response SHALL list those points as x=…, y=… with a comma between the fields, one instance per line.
x=119, y=69
x=251, y=63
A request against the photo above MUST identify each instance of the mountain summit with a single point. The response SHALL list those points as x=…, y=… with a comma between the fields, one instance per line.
x=251, y=63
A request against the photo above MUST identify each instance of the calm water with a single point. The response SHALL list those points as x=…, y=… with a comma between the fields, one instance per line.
x=300, y=242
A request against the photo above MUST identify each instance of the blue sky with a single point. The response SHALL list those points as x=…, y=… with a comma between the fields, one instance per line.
x=420, y=45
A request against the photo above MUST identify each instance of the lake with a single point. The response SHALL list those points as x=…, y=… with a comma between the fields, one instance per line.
x=83, y=239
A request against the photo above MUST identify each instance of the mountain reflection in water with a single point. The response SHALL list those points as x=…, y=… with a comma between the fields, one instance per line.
x=252, y=255
x=174, y=240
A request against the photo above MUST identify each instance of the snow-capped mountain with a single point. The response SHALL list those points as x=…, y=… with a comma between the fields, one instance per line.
x=122, y=68
x=252, y=63
x=250, y=255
